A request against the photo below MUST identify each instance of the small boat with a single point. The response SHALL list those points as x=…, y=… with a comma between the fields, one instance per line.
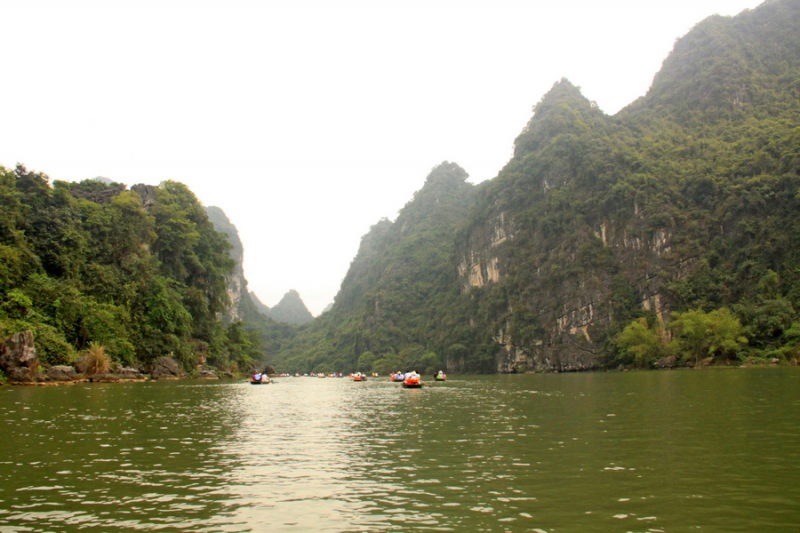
x=359, y=377
x=397, y=377
x=412, y=382
x=441, y=376
x=262, y=381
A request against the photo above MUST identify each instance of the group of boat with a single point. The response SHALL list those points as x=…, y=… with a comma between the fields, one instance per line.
x=409, y=380
x=412, y=380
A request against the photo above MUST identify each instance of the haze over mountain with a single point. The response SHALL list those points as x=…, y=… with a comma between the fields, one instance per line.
x=668, y=231
x=290, y=310
x=260, y=306
x=461, y=90
x=683, y=202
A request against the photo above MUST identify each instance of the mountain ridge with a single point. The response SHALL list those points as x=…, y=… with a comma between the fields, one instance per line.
x=596, y=222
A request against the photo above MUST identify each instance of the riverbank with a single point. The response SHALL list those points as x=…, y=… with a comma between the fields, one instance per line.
x=19, y=365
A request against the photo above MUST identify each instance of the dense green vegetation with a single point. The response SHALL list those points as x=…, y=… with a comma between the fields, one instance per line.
x=669, y=229
x=400, y=290
x=86, y=264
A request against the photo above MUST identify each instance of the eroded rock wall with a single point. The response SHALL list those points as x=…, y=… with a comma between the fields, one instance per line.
x=567, y=318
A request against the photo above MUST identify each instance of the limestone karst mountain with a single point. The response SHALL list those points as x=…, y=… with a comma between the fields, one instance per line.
x=291, y=310
x=237, y=284
x=686, y=200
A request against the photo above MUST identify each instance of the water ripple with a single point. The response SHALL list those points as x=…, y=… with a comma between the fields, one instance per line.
x=500, y=453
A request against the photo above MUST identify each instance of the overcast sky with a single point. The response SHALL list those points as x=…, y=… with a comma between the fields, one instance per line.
x=307, y=121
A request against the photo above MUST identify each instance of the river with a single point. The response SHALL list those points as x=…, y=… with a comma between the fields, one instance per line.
x=667, y=451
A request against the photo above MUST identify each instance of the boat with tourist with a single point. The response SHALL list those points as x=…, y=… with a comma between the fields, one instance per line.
x=412, y=381
x=260, y=379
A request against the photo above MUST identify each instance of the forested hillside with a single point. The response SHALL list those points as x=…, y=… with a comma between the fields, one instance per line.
x=140, y=272
x=245, y=307
x=666, y=232
x=399, y=292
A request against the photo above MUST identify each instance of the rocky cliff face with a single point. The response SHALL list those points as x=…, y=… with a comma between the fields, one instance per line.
x=237, y=284
x=597, y=216
x=682, y=201
x=18, y=359
x=557, y=321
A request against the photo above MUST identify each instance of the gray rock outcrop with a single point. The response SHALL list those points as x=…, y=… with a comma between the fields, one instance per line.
x=667, y=362
x=103, y=196
x=104, y=378
x=62, y=373
x=18, y=357
x=81, y=364
x=166, y=368
x=117, y=375
x=127, y=373
x=147, y=193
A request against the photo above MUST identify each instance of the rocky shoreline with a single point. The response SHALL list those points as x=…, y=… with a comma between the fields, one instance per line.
x=21, y=366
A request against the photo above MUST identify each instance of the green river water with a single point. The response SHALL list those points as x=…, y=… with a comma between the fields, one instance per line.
x=711, y=451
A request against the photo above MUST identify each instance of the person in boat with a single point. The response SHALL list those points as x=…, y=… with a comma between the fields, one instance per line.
x=257, y=376
x=440, y=375
x=264, y=378
x=412, y=379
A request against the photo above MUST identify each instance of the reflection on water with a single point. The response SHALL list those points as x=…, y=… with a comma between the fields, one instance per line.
x=132, y=456
x=656, y=452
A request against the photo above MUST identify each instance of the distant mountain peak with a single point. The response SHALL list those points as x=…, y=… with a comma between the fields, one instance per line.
x=447, y=171
x=563, y=110
x=291, y=309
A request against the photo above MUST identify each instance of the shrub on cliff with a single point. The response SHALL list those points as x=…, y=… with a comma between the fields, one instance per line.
x=95, y=360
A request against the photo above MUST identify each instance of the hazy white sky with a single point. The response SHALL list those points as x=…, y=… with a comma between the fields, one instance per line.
x=307, y=121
